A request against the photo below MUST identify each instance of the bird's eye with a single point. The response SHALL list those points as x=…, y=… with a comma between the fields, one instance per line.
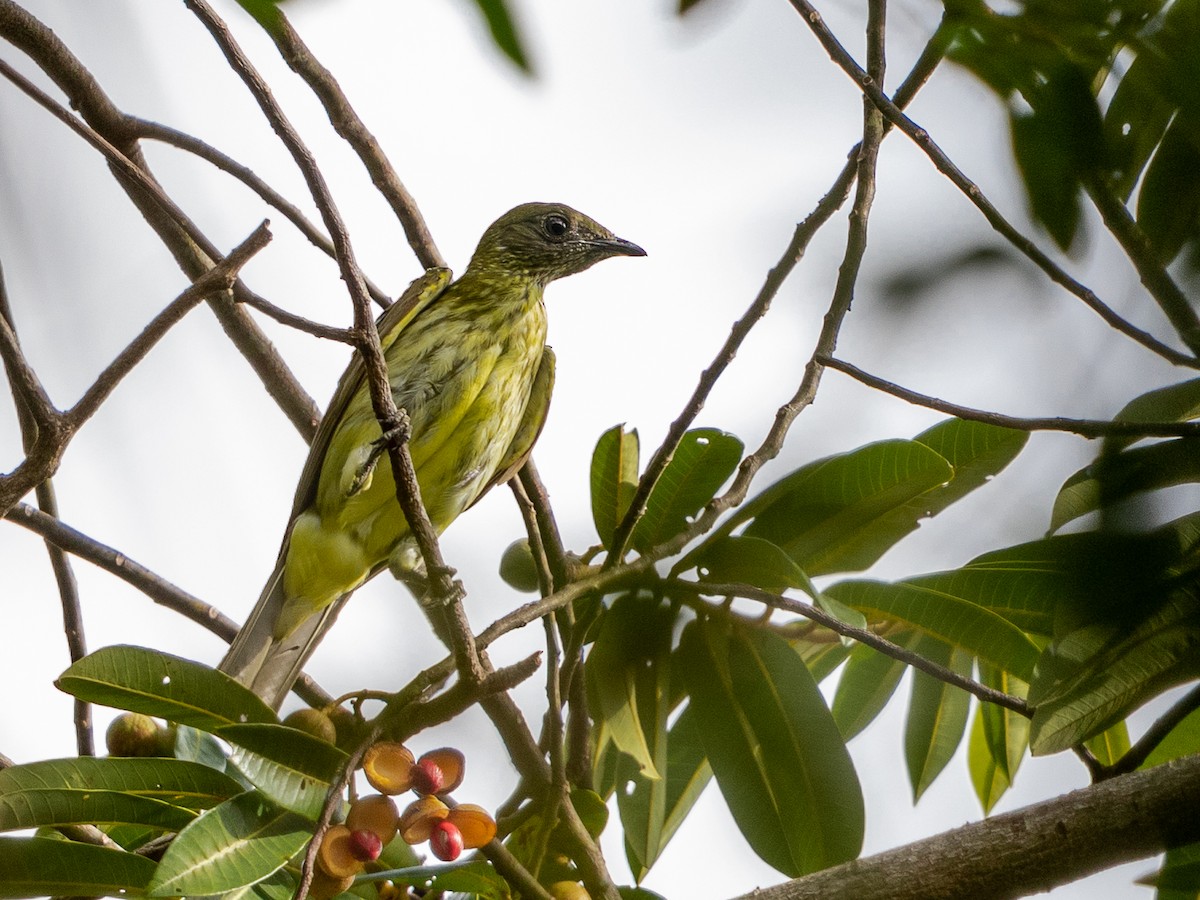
x=555, y=225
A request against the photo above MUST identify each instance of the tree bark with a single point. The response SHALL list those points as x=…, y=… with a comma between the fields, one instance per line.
x=1034, y=849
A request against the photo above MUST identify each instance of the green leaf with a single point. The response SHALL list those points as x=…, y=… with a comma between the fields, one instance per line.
x=62, y=806
x=159, y=684
x=642, y=799
x=652, y=810
x=1025, y=593
x=265, y=12
x=735, y=559
x=866, y=685
x=773, y=747
x=233, y=845
x=1110, y=745
x=976, y=451
x=703, y=461
x=614, y=479
x=1005, y=731
x=1135, y=121
x=167, y=782
x=1182, y=740
x=840, y=513
x=1097, y=675
x=937, y=716
x=1055, y=145
x=292, y=768
x=1168, y=207
x=1174, y=403
x=986, y=777
x=45, y=867
x=1117, y=477
x=504, y=32
x=635, y=635
x=476, y=879
x=1179, y=877
x=973, y=628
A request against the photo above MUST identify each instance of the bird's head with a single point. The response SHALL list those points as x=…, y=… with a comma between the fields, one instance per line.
x=545, y=241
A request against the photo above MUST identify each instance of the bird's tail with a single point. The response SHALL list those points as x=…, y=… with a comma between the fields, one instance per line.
x=267, y=665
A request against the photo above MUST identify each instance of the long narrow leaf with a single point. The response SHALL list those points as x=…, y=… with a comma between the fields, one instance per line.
x=159, y=684
x=774, y=748
x=45, y=867
x=236, y=844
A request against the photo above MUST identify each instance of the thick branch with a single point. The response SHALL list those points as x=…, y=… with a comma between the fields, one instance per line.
x=1026, y=851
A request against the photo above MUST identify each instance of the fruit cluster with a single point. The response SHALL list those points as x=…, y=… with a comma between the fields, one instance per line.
x=373, y=821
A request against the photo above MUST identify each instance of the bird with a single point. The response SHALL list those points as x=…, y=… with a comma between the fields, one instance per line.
x=468, y=362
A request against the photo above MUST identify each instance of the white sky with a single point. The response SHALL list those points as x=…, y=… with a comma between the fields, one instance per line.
x=704, y=141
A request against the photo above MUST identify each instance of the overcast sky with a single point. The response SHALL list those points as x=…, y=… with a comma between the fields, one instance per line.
x=703, y=140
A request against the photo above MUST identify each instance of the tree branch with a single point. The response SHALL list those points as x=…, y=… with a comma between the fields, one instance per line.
x=1026, y=851
x=946, y=166
x=1089, y=428
x=192, y=251
x=347, y=123
x=862, y=635
x=191, y=144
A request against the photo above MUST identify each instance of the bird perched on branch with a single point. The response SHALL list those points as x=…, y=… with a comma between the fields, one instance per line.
x=467, y=360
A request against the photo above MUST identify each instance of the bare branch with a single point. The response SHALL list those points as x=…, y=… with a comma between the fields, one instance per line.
x=1154, y=735
x=68, y=589
x=347, y=123
x=947, y=167
x=216, y=280
x=830, y=203
x=862, y=635
x=1154, y=275
x=1089, y=428
x=193, y=252
x=191, y=144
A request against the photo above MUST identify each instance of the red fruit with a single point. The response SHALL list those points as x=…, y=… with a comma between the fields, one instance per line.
x=365, y=846
x=446, y=842
x=444, y=767
x=427, y=777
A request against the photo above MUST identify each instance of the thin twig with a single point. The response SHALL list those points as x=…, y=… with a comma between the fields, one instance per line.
x=1154, y=735
x=349, y=125
x=862, y=635
x=55, y=430
x=60, y=563
x=300, y=323
x=193, y=252
x=946, y=166
x=1089, y=428
x=191, y=144
x=1153, y=274
x=830, y=203
x=216, y=280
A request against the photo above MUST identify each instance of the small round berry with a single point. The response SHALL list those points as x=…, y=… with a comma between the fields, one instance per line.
x=133, y=734
x=376, y=813
x=444, y=769
x=314, y=722
x=446, y=841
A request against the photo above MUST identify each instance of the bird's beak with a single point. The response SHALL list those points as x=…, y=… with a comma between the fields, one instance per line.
x=616, y=246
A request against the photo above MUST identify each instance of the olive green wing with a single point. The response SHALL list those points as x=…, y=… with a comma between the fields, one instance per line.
x=390, y=324
x=531, y=423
